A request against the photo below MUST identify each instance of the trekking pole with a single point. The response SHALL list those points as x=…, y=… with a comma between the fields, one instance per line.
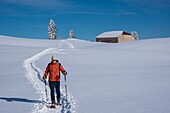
x=45, y=82
x=65, y=86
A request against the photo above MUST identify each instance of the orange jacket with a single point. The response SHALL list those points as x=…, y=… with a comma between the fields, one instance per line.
x=53, y=70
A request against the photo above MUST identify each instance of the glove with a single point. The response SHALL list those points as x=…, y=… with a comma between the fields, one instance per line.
x=64, y=73
x=44, y=77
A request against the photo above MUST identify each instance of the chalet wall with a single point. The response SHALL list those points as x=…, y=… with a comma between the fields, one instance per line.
x=125, y=38
x=108, y=40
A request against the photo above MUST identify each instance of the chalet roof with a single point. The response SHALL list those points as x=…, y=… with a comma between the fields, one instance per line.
x=110, y=34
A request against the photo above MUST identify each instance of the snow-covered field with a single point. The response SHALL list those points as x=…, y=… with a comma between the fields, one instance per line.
x=131, y=77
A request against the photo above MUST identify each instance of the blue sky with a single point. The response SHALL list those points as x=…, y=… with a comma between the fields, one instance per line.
x=88, y=18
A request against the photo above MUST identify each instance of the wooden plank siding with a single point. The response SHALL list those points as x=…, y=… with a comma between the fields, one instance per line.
x=108, y=40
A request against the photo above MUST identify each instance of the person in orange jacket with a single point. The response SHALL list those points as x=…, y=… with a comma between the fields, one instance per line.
x=53, y=70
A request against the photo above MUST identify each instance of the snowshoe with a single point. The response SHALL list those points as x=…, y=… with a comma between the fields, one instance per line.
x=59, y=104
x=52, y=106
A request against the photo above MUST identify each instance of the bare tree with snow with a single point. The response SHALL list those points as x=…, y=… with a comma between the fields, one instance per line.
x=135, y=34
x=52, y=31
x=71, y=34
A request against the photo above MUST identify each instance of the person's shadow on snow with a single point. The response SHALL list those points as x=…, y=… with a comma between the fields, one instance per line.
x=20, y=100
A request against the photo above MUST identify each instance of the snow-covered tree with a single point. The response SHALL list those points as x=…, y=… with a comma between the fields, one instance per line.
x=71, y=34
x=52, y=31
x=135, y=34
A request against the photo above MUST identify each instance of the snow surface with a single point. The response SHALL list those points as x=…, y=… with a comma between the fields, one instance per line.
x=131, y=77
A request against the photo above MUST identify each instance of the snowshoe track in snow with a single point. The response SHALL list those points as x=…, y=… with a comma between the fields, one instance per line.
x=34, y=75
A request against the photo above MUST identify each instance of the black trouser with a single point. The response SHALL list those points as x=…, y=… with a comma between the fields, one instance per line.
x=54, y=86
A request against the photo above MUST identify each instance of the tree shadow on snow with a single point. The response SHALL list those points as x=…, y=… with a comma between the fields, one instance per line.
x=20, y=100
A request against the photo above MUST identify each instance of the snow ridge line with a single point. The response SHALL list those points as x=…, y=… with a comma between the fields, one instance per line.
x=69, y=105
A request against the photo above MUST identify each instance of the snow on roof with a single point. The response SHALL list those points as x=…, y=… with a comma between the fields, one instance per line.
x=110, y=34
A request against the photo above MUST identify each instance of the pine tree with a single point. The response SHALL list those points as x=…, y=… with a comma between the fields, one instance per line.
x=52, y=31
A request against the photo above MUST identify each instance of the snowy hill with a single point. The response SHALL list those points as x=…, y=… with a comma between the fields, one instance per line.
x=128, y=77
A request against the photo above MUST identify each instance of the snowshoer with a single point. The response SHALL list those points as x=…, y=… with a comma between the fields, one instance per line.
x=53, y=70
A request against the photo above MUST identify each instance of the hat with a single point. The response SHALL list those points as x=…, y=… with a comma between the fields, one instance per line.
x=53, y=57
